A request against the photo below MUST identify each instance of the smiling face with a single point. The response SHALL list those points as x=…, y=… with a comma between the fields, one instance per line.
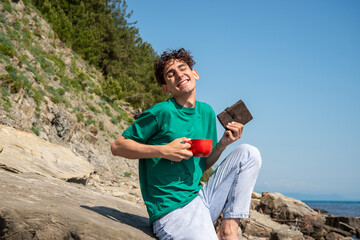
x=180, y=78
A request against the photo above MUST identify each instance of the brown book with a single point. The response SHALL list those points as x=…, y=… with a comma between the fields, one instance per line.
x=238, y=112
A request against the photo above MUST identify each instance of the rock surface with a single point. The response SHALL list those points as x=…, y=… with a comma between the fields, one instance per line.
x=262, y=226
x=42, y=207
x=292, y=211
x=25, y=152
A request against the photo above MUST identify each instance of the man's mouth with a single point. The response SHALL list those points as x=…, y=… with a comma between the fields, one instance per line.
x=182, y=82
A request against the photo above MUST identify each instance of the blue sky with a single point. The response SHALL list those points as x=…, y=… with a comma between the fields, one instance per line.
x=295, y=64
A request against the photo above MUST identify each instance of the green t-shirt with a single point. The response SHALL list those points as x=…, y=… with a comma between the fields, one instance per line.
x=167, y=185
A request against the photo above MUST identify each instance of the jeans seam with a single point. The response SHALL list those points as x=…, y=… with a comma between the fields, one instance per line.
x=232, y=195
x=234, y=168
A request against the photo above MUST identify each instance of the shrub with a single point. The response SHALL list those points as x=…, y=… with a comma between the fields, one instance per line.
x=80, y=116
x=92, y=108
x=90, y=122
x=6, y=46
x=5, y=97
x=101, y=126
x=207, y=175
x=35, y=130
x=6, y=6
x=7, y=50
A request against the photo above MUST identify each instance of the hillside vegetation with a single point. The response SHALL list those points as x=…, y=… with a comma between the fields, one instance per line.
x=50, y=90
x=99, y=31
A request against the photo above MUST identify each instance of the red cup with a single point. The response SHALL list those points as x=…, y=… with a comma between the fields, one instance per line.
x=200, y=147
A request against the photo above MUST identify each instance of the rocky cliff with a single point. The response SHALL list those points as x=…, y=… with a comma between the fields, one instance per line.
x=48, y=90
x=58, y=179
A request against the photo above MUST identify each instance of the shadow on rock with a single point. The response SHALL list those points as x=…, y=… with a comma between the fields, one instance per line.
x=139, y=222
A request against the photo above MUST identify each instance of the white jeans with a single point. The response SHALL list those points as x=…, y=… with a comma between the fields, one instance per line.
x=229, y=188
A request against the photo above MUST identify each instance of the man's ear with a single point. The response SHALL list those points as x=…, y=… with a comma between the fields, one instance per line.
x=196, y=74
x=165, y=89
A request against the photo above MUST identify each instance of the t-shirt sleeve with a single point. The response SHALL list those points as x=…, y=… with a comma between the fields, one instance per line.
x=212, y=128
x=143, y=128
x=210, y=122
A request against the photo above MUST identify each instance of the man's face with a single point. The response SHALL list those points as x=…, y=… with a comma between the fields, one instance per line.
x=179, y=77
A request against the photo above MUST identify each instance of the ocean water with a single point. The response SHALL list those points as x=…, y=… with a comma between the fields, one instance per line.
x=337, y=208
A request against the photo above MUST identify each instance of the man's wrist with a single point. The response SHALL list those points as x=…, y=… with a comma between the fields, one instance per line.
x=219, y=148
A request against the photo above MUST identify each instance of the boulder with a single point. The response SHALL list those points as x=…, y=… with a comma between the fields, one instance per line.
x=262, y=226
x=255, y=201
x=25, y=152
x=336, y=236
x=42, y=207
x=343, y=233
x=293, y=212
x=279, y=206
x=348, y=224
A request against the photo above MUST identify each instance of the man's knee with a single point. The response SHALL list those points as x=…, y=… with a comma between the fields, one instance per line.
x=252, y=153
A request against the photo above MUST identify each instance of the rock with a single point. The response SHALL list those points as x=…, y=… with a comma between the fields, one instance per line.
x=319, y=210
x=280, y=207
x=256, y=195
x=42, y=207
x=93, y=130
x=336, y=236
x=25, y=152
x=91, y=138
x=329, y=229
x=313, y=225
x=349, y=224
x=255, y=201
x=289, y=211
x=18, y=5
x=287, y=235
x=260, y=225
x=58, y=123
x=308, y=237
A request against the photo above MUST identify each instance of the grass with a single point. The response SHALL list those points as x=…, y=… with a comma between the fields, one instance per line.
x=6, y=46
x=6, y=6
x=5, y=98
x=80, y=116
x=35, y=130
x=101, y=126
x=92, y=108
x=38, y=95
x=71, y=83
x=26, y=38
x=90, y=122
x=15, y=80
x=58, y=63
x=56, y=96
x=4, y=58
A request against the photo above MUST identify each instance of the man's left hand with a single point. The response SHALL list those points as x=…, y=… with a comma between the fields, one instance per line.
x=233, y=133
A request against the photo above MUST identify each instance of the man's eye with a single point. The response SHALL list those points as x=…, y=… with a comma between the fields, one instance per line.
x=169, y=75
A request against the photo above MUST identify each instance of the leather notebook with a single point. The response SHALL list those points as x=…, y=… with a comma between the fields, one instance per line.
x=238, y=112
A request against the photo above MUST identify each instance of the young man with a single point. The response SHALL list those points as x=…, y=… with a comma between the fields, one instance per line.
x=178, y=206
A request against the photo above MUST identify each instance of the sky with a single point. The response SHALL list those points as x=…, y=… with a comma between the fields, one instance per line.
x=295, y=64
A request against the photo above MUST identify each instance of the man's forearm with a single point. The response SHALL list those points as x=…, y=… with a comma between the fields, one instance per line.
x=214, y=156
x=131, y=149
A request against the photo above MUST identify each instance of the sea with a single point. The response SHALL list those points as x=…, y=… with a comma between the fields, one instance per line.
x=337, y=208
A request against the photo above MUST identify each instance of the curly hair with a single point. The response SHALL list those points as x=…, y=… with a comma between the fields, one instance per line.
x=168, y=55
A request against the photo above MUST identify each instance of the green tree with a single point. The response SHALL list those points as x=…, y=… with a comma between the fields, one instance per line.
x=99, y=31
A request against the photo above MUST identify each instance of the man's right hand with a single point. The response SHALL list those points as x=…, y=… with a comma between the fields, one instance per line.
x=177, y=150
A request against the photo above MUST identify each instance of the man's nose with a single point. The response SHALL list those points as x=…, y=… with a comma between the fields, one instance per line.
x=178, y=74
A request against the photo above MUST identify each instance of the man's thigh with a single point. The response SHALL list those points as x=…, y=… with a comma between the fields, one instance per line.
x=193, y=221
